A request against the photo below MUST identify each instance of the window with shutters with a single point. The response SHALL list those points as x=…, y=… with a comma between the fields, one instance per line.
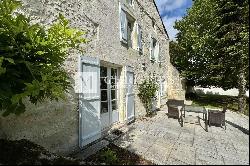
x=124, y=25
x=154, y=52
x=128, y=29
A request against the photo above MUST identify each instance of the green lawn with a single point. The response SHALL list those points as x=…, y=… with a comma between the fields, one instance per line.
x=218, y=101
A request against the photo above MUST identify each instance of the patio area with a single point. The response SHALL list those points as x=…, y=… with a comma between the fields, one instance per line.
x=163, y=141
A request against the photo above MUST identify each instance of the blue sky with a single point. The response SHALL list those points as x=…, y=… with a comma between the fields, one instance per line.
x=170, y=11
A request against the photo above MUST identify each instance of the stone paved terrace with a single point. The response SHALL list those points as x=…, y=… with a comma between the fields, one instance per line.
x=163, y=141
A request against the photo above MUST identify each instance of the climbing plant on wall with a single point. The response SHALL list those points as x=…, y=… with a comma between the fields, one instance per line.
x=31, y=58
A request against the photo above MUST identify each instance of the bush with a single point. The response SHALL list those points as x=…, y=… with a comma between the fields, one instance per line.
x=109, y=157
x=31, y=58
x=147, y=92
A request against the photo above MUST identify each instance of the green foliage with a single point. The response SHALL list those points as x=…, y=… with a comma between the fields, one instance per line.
x=176, y=56
x=220, y=101
x=212, y=43
x=232, y=38
x=195, y=43
x=109, y=157
x=147, y=92
x=31, y=58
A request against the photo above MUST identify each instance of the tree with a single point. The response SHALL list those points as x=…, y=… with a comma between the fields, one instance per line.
x=233, y=43
x=213, y=39
x=31, y=58
x=176, y=56
x=196, y=41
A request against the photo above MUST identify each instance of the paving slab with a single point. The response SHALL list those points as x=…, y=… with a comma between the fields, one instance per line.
x=163, y=141
x=174, y=161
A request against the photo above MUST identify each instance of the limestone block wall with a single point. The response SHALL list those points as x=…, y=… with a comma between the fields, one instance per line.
x=54, y=125
x=176, y=87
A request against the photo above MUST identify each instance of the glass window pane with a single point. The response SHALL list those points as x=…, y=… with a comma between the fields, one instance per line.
x=103, y=83
x=103, y=71
x=113, y=84
x=104, y=95
x=104, y=107
x=113, y=73
x=113, y=94
x=114, y=105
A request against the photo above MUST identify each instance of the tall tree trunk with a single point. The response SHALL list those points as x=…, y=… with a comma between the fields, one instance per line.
x=242, y=91
x=190, y=89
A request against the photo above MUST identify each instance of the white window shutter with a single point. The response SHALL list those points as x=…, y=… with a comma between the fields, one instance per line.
x=124, y=25
x=139, y=33
x=159, y=53
x=125, y=37
x=151, y=48
x=156, y=52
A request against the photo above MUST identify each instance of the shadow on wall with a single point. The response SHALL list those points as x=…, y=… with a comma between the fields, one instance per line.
x=51, y=124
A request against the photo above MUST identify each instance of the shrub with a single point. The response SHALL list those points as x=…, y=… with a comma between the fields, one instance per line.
x=109, y=157
x=147, y=92
x=31, y=58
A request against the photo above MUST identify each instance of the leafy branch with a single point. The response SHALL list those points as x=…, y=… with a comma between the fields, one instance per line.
x=31, y=58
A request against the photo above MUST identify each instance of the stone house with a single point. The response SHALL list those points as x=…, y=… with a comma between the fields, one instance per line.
x=127, y=43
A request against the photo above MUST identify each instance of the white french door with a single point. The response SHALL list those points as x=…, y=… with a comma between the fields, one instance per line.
x=109, y=96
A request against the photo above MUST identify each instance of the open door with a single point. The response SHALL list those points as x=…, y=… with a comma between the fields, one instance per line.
x=130, y=96
x=89, y=101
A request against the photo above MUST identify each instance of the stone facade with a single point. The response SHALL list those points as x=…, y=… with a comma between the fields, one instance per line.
x=55, y=124
x=176, y=86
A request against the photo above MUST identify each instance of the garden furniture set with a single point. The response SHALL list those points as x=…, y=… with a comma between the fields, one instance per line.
x=177, y=109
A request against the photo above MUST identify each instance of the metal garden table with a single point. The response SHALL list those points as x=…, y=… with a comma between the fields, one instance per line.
x=197, y=109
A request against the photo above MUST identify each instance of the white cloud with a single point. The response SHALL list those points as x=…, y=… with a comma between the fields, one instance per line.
x=170, y=5
x=169, y=25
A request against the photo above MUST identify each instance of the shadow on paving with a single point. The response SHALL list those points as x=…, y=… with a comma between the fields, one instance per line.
x=245, y=131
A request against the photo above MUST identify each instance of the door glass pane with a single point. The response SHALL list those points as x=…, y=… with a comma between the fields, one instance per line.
x=103, y=71
x=104, y=83
x=104, y=107
x=113, y=78
x=114, y=104
x=113, y=94
x=104, y=95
